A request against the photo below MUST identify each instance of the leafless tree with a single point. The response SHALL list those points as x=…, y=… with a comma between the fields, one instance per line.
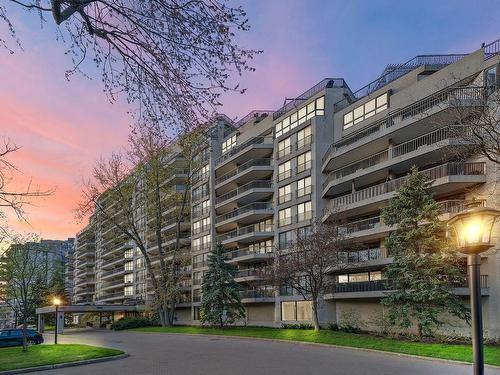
x=11, y=198
x=171, y=58
x=305, y=266
x=21, y=279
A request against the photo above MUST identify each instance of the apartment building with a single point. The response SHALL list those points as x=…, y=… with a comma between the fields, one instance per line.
x=263, y=179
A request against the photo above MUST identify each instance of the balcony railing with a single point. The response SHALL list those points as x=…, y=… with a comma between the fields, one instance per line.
x=239, y=211
x=246, y=273
x=448, y=169
x=243, y=167
x=419, y=107
x=491, y=49
x=238, y=148
x=360, y=256
x=254, y=228
x=258, y=293
x=248, y=251
x=393, y=72
x=412, y=145
x=257, y=184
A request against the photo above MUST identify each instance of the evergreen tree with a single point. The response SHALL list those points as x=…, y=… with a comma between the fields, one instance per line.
x=221, y=303
x=424, y=269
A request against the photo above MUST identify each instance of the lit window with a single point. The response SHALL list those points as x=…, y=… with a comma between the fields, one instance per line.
x=129, y=266
x=129, y=253
x=314, y=108
x=285, y=193
x=285, y=216
x=128, y=278
x=357, y=277
x=304, y=186
x=304, y=211
x=366, y=110
x=304, y=137
x=128, y=291
x=284, y=170
x=284, y=147
x=343, y=279
x=228, y=144
x=288, y=311
x=304, y=310
x=304, y=162
x=296, y=310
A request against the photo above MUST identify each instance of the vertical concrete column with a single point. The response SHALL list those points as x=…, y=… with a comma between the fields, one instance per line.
x=60, y=322
x=41, y=323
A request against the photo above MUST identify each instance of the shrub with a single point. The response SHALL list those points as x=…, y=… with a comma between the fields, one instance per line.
x=129, y=323
x=333, y=326
x=350, y=321
x=297, y=326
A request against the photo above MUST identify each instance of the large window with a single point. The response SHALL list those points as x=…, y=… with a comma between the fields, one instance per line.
x=228, y=144
x=128, y=291
x=366, y=110
x=359, y=277
x=201, y=225
x=201, y=243
x=285, y=239
x=304, y=187
x=200, y=192
x=296, y=310
x=491, y=79
x=315, y=108
x=128, y=278
x=304, y=162
x=202, y=173
x=284, y=170
x=284, y=147
x=304, y=137
x=129, y=266
x=304, y=211
x=200, y=260
x=129, y=253
x=285, y=194
x=202, y=208
x=285, y=217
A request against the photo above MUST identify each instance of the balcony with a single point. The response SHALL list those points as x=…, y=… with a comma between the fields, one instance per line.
x=249, y=255
x=247, y=275
x=256, y=147
x=420, y=151
x=253, y=169
x=252, y=212
x=379, y=288
x=247, y=234
x=445, y=178
x=257, y=295
x=430, y=111
x=251, y=192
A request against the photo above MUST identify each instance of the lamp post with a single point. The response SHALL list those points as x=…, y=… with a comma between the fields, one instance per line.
x=56, y=301
x=472, y=229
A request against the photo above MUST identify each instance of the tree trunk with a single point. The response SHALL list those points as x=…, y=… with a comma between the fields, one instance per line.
x=25, y=339
x=315, y=314
x=420, y=332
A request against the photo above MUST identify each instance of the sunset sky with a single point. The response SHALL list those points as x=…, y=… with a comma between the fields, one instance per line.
x=63, y=127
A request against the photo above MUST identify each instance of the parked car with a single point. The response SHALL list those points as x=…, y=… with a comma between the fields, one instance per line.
x=14, y=337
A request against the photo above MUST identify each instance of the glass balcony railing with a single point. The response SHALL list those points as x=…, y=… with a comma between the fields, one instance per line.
x=236, y=149
x=257, y=184
x=249, y=251
x=256, y=206
x=254, y=228
x=243, y=167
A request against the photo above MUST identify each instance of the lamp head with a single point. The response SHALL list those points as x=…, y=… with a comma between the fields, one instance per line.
x=56, y=301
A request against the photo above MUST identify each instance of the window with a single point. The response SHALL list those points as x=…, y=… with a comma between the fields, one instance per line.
x=128, y=278
x=304, y=162
x=196, y=313
x=366, y=110
x=304, y=187
x=200, y=192
x=141, y=275
x=128, y=291
x=304, y=232
x=285, y=217
x=140, y=288
x=228, y=144
x=304, y=137
x=198, y=277
x=304, y=211
x=315, y=108
x=285, y=239
x=202, y=208
x=343, y=279
x=202, y=173
x=201, y=243
x=360, y=276
x=285, y=194
x=129, y=266
x=264, y=226
x=261, y=247
x=129, y=253
x=376, y=275
x=201, y=225
x=491, y=79
x=200, y=260
x=284, y=170
x=139, y=263
x=296, y=310
x=284, y=147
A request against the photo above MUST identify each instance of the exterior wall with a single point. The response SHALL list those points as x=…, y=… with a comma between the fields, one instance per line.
x=229, y=173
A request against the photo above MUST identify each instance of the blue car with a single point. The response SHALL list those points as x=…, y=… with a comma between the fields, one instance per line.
x=14, y=337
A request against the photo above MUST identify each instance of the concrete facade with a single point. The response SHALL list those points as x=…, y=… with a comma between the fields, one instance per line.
x=330, y=150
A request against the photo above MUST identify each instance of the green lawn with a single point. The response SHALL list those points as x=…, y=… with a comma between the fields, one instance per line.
x=444, y=351
x=40, y=355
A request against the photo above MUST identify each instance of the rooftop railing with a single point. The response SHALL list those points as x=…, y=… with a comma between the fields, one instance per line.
x=419, y=107
x=244, y=209
x=395, y=71
x=448, y=169
x=491, y=49
x=325, y=83
x=242, y=167
x=252, y=141
x=256, y=114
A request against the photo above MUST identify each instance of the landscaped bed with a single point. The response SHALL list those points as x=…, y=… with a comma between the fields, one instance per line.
x=41, y=355
x=435, y=350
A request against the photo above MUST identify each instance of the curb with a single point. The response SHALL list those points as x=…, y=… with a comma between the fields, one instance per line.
x=396, y=354
x=63, y=365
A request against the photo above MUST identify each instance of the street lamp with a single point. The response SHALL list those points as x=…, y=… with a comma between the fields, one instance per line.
x=472, y=229
x=56, y=301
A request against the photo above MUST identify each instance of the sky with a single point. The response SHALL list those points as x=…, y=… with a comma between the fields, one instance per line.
x=63, y=126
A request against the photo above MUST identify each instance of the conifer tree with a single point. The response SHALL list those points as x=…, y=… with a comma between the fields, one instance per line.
x=424, y=269
x=221, y=303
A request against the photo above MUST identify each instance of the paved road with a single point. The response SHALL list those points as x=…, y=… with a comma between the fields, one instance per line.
x=161, y=354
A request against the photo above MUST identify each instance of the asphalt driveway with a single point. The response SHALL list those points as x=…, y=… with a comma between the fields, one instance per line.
x=166, y=354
